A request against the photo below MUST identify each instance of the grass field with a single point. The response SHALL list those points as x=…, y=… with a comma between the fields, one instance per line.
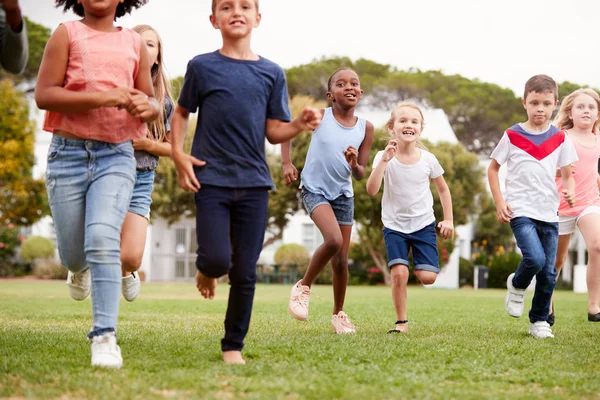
x=461, y=345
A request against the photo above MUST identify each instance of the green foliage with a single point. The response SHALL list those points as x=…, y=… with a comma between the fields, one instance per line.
x=176, y=84
x=10, y=239
x=48, y=268
x=292, y=253
x=22, y=199
x=36, y=247
x=487, y=228
x=465, y=272
x=502, y=261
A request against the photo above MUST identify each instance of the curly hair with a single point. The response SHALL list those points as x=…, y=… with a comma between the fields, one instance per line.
x=122, y=8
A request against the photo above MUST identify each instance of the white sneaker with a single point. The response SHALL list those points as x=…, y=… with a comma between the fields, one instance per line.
x=341, y=323
x=513, y=302
x=130, y=286
x=298, y=305
x=105, y=352
x=540, y=330
x=79, y=284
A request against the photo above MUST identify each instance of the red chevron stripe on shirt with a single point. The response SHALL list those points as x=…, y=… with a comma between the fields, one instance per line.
x=538, y=152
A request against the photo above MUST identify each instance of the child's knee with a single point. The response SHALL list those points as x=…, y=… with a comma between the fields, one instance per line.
x=131, y=262
x=399, y=274
x=214, y=267
x=536, y=261
x=426, y=277
x=334, y=243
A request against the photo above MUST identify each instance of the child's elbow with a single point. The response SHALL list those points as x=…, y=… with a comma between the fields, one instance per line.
x=40, y=101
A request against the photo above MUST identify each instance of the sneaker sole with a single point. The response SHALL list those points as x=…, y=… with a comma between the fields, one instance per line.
x=296, y=316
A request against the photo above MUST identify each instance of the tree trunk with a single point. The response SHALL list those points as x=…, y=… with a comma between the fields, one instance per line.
x=273, y=239
x=380, y=262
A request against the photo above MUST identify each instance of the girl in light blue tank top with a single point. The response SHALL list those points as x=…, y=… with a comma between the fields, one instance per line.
x=339, y=149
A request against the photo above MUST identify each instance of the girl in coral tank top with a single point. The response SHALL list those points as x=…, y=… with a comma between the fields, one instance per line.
x=578, y=115
x=94, y=82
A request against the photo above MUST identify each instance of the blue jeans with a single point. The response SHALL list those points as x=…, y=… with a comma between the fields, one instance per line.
x=89, y=186
x=538, y=241
x=231, y=224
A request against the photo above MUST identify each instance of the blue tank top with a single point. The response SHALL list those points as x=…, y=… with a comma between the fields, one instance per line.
x=326, y=171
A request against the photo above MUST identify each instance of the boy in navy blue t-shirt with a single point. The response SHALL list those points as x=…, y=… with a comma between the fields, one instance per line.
x=241, y=98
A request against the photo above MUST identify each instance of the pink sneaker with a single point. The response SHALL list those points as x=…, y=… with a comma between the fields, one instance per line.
x=298, y=305
x=341, y=323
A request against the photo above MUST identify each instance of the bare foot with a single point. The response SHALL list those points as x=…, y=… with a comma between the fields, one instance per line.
x=402, y=327
x=206, y=286
x=233, y=357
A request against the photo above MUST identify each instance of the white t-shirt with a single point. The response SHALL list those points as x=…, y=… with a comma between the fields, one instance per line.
x=531, y=160
x=407, y=203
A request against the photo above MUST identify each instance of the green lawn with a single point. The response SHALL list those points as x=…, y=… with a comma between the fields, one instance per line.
x=461, y=345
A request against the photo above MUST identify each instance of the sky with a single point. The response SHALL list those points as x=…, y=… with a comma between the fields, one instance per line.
x=503, y=42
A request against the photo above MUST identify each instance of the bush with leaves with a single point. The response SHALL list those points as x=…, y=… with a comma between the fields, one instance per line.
x=48, y=268
x=36, y=247
x=293, y=253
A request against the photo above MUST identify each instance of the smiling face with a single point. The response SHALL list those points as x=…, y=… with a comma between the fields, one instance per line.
x=539, y=106
x=344, y=88
x=235, y=18
x=407, y=124
x=584, y=112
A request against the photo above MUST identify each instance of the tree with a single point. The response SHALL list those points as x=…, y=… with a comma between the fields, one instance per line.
x=22, y=198
x=463, y=175
x=38, y=36
x=489, y=233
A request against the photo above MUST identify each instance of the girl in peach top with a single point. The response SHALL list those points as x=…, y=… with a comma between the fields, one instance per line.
x=578, y=115
x=94, y=82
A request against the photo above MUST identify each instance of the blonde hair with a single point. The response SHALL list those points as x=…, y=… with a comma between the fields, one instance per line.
x=214, y=5
x=564, y=121
x=393, y=116
x=162, y=88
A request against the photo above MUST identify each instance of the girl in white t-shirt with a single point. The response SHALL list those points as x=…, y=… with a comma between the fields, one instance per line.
x=407, y=204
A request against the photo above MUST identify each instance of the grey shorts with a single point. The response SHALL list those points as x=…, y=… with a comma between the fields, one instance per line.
x=343, y=207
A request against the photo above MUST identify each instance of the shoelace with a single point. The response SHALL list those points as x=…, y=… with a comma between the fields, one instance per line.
x=345, y=321
x=303, y=297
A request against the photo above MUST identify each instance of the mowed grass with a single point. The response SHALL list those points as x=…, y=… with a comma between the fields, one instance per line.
x=461, y=345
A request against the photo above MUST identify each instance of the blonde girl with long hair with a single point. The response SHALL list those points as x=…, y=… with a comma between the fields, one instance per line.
x=147, y=151
x=579, y=116
x=407, y=168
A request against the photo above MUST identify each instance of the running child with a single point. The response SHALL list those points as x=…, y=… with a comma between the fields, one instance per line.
x=407, y=205
x=241, y=99
x=578, y=116
x=147, y=150
x=339, y=149
x=532, y=151
x=94, y=81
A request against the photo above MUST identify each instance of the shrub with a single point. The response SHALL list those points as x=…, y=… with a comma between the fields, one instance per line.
x=48, y=268
x=293, y=253
x=501, y=267
x=36, y=247
x=9, y=241
x=465, y=272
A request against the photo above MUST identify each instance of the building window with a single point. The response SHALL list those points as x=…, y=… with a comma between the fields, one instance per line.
x=311, y=237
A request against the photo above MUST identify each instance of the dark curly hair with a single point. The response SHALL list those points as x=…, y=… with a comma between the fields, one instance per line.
x=122, y=8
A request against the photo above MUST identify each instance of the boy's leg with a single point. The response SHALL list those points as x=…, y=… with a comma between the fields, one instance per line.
x=213, y=205
x=248, y=225
x=530, y=244
x=546, y=277
x=107, y=201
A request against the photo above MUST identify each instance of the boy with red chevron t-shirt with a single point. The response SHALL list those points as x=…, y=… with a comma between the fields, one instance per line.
x=532, y=151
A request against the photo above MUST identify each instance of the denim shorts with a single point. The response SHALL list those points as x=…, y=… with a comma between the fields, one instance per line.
x=142, y=194
x=343, y=207
x=422, y=242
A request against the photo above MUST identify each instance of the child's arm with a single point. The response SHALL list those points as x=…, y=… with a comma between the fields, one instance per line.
x=447, y=225
x=358, y=159
x=290, y=173
x=279, y=131
x=374, y=181
x=568, y=185
x=159, y=149
x=183, y=162
x=503, y=210
x=52, y=96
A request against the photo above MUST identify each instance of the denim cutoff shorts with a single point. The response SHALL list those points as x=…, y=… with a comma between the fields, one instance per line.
x=142, y=194
x=422, y=242
x=343, y=207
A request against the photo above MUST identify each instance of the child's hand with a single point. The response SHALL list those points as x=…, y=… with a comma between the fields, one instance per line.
x=390, y=150
x=569, y=197
x=142, y=144
x=351, y=155
x=185, y=170
x=504, y=212
x=310, y=119
x=120, y=97
x=140, y=107
x=446, y=228
x=290, y=173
